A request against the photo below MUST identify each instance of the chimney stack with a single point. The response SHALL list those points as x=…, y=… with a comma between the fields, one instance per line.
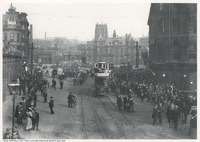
x=31, y=33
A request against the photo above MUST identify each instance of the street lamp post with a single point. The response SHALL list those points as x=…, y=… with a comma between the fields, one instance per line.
x=32, y=62
x=137, y=56
x=13, y=90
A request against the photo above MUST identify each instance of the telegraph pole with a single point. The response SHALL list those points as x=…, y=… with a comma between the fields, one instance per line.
x=69, y=59
x=31, y=39
x=32, y=62
x=137, y=56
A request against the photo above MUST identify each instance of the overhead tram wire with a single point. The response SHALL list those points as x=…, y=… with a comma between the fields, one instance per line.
x=81, y=16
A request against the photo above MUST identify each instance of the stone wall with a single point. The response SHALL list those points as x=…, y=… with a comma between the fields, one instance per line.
x=11, y=68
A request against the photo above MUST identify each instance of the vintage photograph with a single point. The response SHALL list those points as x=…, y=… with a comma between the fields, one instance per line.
x=99, y=70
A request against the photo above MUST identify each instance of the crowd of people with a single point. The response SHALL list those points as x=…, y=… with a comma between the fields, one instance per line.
x=125, y=83
x=167, y=98
x=26, y=113
x=125, y=102
x=27, y=116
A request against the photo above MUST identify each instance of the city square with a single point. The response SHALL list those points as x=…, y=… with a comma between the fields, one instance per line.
x=113, y=86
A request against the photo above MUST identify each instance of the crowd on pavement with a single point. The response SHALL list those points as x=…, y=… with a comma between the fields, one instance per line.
x=125, y=82
x=26, y=113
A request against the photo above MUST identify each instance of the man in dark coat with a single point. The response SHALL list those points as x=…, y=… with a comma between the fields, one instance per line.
x=24, y=108
x=185, y=112
x=193, y=123
x=45, y=96
x=160, y=111
x=176, y=117
x=54, y=84
x=36, y=119
x=51, y=105
x=170, y=108
x=35, y=99
x=70, y=99
x=61, y=84
x=20, y=113
x=125, y=102
x=119, y=102
x=155, y=114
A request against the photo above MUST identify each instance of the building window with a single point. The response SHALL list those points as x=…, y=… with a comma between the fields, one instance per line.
x=17, y=36
x=100, y=43
x=176, y=56
x=11, y=36
x=175, y=41
x=161, y=6
x=159, y=24
x=163, y=25
x=176, y=24
x=195, y=25
x=192, y=56
x=5, y=37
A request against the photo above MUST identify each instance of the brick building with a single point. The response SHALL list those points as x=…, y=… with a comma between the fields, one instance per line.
x=173, y=43
x=88, y=53
x=114, y=50
x=15, y=45
x=56, y=50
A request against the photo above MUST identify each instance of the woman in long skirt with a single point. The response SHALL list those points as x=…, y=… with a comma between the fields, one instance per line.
x=29, y=120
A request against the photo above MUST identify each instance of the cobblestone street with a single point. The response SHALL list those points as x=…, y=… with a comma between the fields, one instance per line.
x=81, y=122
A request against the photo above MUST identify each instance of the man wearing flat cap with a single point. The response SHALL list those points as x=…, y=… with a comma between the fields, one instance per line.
x=7, y=134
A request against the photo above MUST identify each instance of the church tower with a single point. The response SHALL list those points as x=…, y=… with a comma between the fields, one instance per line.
x=101, y=34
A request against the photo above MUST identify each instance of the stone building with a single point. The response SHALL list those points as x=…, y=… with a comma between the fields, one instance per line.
x=114, y=50
x=173, y=43
x=88, y=53
x=15, y=45
x=56, y=50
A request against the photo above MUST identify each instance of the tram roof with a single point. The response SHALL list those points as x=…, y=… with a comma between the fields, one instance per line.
x=102, y=62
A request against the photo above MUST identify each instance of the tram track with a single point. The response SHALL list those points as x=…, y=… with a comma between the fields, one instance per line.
x=83, y=118
x=92, y=127
x=107, y=119
x=133, y=125
x=114, y=120
x=110, y=122
x=111, y=127
x=104, y=136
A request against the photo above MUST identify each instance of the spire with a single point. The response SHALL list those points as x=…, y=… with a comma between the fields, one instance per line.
x=11, y=9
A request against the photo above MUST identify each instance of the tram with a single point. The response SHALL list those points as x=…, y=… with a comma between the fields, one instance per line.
x=102, y=73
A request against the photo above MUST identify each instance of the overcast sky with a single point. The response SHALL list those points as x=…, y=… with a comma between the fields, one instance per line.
x=77, y=20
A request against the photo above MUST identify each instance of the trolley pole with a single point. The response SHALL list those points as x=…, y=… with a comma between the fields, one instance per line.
x=137, y=56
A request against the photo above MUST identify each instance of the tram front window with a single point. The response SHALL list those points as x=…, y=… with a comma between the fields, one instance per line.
x=100, y=81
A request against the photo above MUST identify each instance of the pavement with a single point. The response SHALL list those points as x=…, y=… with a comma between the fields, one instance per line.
x=66, y=123
x=142, y=118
